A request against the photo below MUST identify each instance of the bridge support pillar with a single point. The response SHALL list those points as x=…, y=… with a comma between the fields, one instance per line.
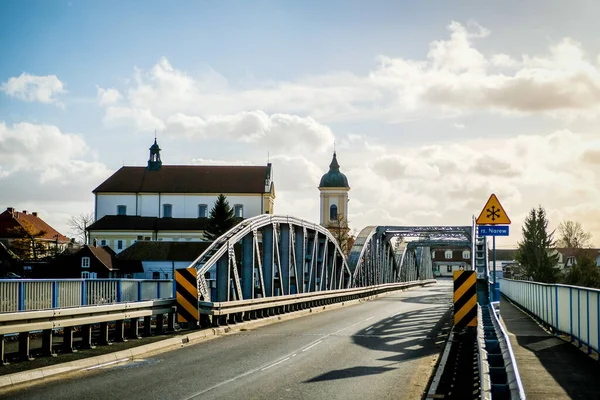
x=148, y=325
x=68, y=340
x=120, y=331
x=134, y=328
x=204, y=321
x=103, y=337
x=47, y=343
x=86, y=337
x=2, y=351
x=171, y=322
x=24, y=346
x=215, y=321
x=160, y=321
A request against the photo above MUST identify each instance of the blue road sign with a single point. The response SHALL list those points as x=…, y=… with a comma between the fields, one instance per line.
x=483, y=230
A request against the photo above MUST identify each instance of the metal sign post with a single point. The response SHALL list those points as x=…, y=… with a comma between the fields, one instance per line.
x=488, y=224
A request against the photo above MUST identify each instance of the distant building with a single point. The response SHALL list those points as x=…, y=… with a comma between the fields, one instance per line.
x=92, y=262
x=160, y=259
x=334, y=190
x=14, y=224
x=172, y=202
x=446, y=261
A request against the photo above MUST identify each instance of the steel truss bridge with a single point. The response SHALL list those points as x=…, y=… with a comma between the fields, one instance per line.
x=271, y=255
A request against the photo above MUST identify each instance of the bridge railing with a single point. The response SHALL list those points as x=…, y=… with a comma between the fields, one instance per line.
x=572, y=310
x=43, y=294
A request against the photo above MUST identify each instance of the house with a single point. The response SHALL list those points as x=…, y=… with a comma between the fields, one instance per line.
x=17, y=226
x=92, y=262
x=160, y=259
x=447, y=260
x=172, y=202
x=568, y=257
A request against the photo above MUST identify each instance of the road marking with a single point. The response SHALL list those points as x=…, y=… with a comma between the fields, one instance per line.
x=106, y=364
x=312, y=345
x=274, y=364
x=261, y=368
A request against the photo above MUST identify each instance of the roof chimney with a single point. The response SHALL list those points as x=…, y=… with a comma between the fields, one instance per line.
x=25, y=212
x=34, y=213
x=10, y=210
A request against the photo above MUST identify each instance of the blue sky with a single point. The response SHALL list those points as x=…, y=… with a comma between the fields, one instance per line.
x=422, y=98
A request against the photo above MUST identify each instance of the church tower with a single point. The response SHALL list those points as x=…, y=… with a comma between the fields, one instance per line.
x=154, y=162
x=334, y=190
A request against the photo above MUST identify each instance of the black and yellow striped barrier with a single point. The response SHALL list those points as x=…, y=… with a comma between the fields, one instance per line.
x=187, y=295
x=465, y=298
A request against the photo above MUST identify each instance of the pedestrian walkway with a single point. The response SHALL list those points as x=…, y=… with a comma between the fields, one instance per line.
x=550, y=367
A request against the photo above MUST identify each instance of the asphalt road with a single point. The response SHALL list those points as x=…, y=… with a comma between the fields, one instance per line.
x=382, y=349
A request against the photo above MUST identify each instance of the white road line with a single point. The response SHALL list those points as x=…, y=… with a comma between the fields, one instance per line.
x=274, y=364
x=262, y=368
x=106, y=364
x=312, y=345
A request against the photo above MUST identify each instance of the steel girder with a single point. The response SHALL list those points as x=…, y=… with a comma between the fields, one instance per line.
x=373, y=260
x=280, y=255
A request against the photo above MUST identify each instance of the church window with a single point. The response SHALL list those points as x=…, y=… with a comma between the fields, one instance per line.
x=202, y=211
x=239, y=210
x=121, y=210
x=167, y=210
x=333, y=212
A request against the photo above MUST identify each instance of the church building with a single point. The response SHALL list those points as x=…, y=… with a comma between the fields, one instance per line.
x=172, y=202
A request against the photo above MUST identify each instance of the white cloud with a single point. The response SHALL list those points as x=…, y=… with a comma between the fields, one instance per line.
x=34, y=88
x=108, y=96
x=454, y=79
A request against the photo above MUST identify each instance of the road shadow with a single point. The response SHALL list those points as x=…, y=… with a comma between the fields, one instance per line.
x=406, y=336
x=574, y=371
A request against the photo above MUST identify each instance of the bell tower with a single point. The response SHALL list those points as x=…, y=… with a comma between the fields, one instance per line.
x=334, y=190
x=154, y=162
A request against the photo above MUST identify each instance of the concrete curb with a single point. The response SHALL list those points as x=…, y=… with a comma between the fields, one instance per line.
x=40, y=374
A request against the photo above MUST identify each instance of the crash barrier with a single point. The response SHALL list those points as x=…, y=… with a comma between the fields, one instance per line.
x=42, y=294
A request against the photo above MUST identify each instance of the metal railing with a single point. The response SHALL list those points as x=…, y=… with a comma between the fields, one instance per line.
x=43, y=294
x=263, y=307
x=28, y=321
x=572, y=310
x=498, y=371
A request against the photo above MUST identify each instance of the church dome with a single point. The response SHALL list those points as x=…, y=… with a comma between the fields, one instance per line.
x=334, y=178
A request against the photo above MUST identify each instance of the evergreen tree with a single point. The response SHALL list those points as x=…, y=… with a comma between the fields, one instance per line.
x=584, y=272
x=535, y=250
x=220, y=220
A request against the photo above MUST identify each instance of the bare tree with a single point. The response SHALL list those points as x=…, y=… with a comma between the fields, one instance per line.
x=340, y=231
x=571, y=235
x=79, y=225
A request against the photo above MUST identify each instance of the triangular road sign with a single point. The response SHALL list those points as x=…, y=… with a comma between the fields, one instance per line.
x=493, y=213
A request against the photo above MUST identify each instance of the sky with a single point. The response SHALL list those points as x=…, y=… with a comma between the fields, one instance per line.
x=432, y=105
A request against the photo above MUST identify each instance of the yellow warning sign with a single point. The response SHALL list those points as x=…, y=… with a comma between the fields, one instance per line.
x=493, y=213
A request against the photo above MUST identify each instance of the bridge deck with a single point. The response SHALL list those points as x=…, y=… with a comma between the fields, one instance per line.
x=550, y=367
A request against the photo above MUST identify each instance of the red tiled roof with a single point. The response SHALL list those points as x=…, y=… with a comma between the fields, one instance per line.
x=187, y=179
x=105, y=255
x=11, y=219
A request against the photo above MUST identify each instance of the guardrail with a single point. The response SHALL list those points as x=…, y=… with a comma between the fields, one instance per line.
x=498, y=371
x=237, y=311
x=87, y=317
x=42, y=294
x=572, y=310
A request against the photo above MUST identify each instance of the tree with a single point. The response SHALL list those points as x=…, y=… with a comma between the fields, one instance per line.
x=27, y=245
x=572, y=235
x=79, y=225
x=584, y=272
x=535, y=250
x=340, y=231
x=220, y=220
